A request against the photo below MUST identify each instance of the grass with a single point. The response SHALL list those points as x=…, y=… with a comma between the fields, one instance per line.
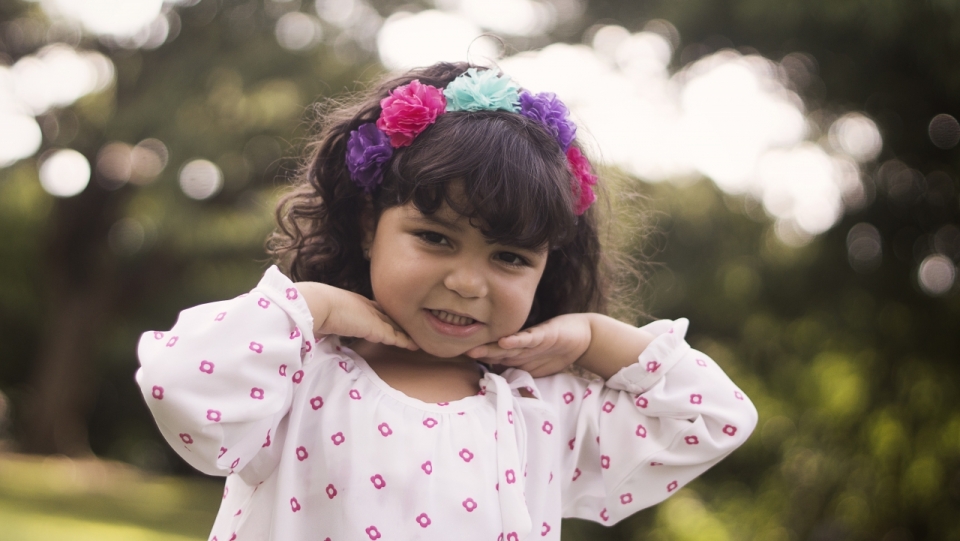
x=93, y=500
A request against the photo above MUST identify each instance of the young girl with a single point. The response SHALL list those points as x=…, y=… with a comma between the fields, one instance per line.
x=411, y=383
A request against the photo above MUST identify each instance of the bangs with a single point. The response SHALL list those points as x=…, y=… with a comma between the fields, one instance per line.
x=500, y=169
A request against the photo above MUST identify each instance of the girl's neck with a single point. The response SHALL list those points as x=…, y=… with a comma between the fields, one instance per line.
x=420, y=375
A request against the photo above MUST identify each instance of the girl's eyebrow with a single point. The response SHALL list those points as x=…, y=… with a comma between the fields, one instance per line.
x=433, y=219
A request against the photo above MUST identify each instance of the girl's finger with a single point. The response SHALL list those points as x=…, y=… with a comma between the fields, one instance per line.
x=523, y=340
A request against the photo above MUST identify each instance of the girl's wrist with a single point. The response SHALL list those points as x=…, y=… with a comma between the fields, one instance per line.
x=614, y=345
x=319, y=301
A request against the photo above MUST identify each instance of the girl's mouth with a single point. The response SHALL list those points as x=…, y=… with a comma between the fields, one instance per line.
x=452, y=319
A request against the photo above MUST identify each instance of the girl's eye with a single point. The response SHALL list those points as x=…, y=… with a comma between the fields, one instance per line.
x=432, y=238
x=511, y=259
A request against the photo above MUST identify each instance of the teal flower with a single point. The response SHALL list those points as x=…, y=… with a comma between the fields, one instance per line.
x=483, y=90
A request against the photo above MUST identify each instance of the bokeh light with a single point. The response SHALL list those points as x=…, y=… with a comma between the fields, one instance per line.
x=944, y=131
x=408, y=40
x=20, y=135
x=58, y=75
x=64, y=172
x=125, y=236
x=114, y=165
x=864, y=247
x=857, y=136
x=147, y=160
x=298, y=31
x=936, y=275
x=511, y=17
x=200, y=179
x=121, y=18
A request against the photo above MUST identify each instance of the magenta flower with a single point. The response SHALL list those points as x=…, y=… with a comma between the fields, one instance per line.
x=186, y=438
x=584, y=179
x=331, y=491
x=378, y=481
x=427, y=467
x=385, y=429
x=642, y=431
x=548, y=110
x=408, y=110
x=316, y=402
x=469, y=505
x=367, y=150
x=157, y=392
x=256, y=393
x=423, y=520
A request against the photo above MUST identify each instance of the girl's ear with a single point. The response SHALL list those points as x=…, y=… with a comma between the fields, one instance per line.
x=368, y=223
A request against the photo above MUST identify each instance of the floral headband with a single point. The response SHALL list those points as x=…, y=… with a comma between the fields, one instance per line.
x=411, y=108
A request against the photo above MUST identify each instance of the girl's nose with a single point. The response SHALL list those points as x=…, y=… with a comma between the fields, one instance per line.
x=466, y=281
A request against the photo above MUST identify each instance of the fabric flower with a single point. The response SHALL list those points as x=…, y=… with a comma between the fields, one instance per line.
x=548, y=110
x=367, y=150
x=408, y=110
x=583, y=179
x=482, y=91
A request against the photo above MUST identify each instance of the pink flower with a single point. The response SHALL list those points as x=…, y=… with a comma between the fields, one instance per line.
x=429, y=422
x=385, y=429
x=587, y=393
x=701, y=362
x=294, y=505
x=263, y=303
x=223, y=451
x=567, y=397
x=469, y=505
x=302, y=453
x=354, y=394
x=672, y=486
x=512, y=536
x=691, y=440
x=626, y=498
x=256, y=393
x=295, y=333
x=331, y=491
x=316, y=402
x=427, y=467
x=696, y=399
x=603, y=513
x=608, y=406
x=337, y=438
x=547, y=427
x=186, y=438
x=653, y=366
x=256, y=348
x=220, y=316
x=544, y=530
x=571, y=442
x=466, y=455
x=171, y=342
x=641, y=402
x=605, y=462
x=283, y=370
x=206, y=367
x=510, y=416
x=298, y=375
x=576, y=473
x=213, y=415
x=267, y=443
x=738, y=395
x=583, y=179
x=408, y=110
x=378, y=481
x=343, y=365
x=729, y=430
x=235, y=463
x=373, y=532
x=642, y=431
x=291, y=293
x=157, y=392
x=510, y=477
x=157, y=335
x=423, y=520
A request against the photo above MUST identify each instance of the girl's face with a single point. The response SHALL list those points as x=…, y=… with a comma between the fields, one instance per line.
x=447, y=287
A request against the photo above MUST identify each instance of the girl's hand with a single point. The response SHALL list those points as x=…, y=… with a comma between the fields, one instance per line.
x=344, y=313
x=543, y=349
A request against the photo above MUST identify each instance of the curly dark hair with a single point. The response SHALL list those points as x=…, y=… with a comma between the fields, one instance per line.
x=512, y=181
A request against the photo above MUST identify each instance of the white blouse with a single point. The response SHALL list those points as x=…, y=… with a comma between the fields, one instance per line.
x=323, y=449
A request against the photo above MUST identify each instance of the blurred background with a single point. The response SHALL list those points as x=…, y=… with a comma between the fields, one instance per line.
x=797, y=167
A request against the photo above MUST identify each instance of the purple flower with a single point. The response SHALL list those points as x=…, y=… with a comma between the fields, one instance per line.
x=548, y=110
x=367, y=150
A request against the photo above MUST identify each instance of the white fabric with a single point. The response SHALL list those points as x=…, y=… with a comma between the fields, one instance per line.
x=323, y=449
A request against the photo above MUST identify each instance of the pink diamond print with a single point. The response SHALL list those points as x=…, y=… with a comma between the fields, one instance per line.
x=206, y=367
x=157, y=335
x=331, y=491
x=223, y=451
x=696, y=399
x=316, y=402
x=263, y=303
x=608, y=406
x=626, y=498
x=544, y=530
x=653, y=366
x=337, y=438
x=267, y=443
x=373, y=532
x=604, y=515
x=547, y=427
x=701, y=362
x=642, y=431
x=235, y=463
x=469, y=505
x=641, y=402
x=576, y=473
x=343, y=365
x=672, y=486
x=510, y=477
x=172, y=341
x=283, y=370
x=354, y=394
x=729, y=430
x=378, y=481
x=605, y=462
x=510, y=416
x=427, y=467
x=298, y=376
x=567, y=397
x=256, y=393
x=466, y=455
x=157, y=392
x=570, y=443
x=294, y=505
x=220, y=316
x=384, y=429
x=225, y=492
x=295, y=333
x=738, y=395
x=691, y=440
x=656, y=463
x=302, y=453
x=186, y=438
x=587, y=393
x=551, y=478
x=443, y=403
x=291, y=293
x=512, y=536
x=307, y=348
x=429, y=422
x=423, y=520
x=213, y=415
x=256, y=348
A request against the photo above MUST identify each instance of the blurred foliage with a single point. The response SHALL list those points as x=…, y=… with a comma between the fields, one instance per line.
x=854, y=375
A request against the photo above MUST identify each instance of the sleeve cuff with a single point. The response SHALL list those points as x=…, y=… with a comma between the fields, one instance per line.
x=282, y=291
x=656, y=360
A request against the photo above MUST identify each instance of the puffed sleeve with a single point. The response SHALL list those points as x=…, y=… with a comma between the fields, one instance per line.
x=632, y=441
x=220, y=382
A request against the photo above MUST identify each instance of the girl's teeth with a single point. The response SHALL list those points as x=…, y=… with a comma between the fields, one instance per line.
x=447, y=317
